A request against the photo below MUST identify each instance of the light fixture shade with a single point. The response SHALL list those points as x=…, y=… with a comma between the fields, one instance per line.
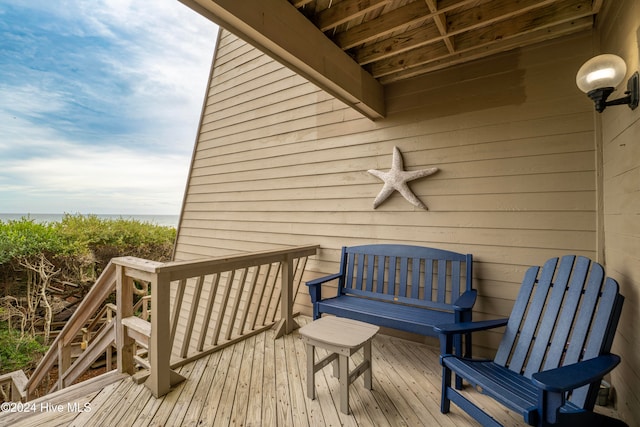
x=601, y=71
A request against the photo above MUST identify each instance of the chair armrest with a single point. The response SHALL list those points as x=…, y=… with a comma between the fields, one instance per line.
x=466, y=301
x=321, y=280
x=466, y=327
x=570, y=377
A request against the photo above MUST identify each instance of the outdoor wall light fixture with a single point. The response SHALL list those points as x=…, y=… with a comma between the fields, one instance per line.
x=598, y=78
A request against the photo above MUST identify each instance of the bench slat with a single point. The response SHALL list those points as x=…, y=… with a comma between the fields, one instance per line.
x=406, y=318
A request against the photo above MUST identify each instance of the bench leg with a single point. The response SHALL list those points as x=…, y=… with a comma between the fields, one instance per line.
x=344, y=384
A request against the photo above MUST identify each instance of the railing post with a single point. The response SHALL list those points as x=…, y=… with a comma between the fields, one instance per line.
x=287, y=324
x=64, y=361
x=124, y=302
x=161, y=377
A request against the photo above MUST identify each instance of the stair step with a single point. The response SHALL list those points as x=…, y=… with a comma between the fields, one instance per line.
x=138, y=329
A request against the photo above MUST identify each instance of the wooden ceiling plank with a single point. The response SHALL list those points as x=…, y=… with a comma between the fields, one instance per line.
x=410, y=14
x=441, y=22
x=488, y=13
x=281, y=31
x=490, y=48
x=421, y=36
x=345, y=11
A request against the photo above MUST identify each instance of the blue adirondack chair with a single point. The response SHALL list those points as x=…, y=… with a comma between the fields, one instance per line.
x=554, y=351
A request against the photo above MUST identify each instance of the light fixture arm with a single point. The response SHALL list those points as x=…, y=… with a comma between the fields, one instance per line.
x=599, y=96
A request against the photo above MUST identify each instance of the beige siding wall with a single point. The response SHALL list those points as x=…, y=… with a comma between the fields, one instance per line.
x=619, y=31
x=279, y=162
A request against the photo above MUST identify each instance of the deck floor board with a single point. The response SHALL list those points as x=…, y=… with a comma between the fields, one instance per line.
x=262, y=382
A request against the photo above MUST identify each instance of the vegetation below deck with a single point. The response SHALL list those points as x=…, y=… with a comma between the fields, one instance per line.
x=47, y=268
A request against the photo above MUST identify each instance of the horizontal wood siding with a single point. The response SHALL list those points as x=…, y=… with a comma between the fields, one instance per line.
x=619, y=33
x=279, y=162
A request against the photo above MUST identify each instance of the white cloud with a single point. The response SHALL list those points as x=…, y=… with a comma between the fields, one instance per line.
x=101, y=181
x=157, y=56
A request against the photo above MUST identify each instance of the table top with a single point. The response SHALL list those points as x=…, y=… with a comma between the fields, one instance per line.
x=339, y=331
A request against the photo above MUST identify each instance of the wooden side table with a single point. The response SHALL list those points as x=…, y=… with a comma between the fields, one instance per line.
x=342, y=338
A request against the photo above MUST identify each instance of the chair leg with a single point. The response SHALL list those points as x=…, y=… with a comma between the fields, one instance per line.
x=445, y=403
x=458, y=352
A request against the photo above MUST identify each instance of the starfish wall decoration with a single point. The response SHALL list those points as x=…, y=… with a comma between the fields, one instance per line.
x=397, y=179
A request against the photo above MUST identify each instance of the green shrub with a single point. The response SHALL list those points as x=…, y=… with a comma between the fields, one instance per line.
x=109, y=238
x=75, y=250
x=18, y=353
x=25, y=238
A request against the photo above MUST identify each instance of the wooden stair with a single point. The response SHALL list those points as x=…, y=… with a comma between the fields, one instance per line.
x=140, y=330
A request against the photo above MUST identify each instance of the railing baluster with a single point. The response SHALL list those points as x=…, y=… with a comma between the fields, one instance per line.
x=193, y=312
x=247, y=305
x=271, y=293
x=177, y=307
x=260, y=303
x=207, y=316
x=223, y=307
x=236, y=305
x=301, y=264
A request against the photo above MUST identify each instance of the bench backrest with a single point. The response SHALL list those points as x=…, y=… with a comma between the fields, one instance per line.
x=415, y=275
x=564, y=313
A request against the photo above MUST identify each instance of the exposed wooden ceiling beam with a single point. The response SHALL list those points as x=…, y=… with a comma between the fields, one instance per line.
x=441, y=22
x=278, y=29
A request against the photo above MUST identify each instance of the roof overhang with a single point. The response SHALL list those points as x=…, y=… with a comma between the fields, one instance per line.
x=278, y=29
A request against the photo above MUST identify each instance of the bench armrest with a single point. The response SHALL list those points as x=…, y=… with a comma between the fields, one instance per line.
x=466, y=301
x=570, y=377
x=321, y=280
x=466, y=327
x=315, y=286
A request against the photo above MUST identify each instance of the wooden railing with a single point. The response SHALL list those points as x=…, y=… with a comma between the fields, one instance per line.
x=196, y=307
x=60, y=351
x=12, y=387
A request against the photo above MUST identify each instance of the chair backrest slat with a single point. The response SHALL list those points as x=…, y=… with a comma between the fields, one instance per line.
x=531, y=317
x=551, y=315
x=567, y=319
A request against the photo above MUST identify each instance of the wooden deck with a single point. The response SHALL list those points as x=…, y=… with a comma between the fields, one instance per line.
x=261, y=382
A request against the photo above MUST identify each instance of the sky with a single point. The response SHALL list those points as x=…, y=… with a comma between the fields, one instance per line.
x=99, y=104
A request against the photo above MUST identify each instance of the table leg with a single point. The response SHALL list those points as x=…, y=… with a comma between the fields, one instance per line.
x=368, y=373
x=344, y=384
x=311, y=374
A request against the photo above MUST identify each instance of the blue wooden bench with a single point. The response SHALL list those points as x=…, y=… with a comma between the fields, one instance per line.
x=410, y=288
x=554, y=351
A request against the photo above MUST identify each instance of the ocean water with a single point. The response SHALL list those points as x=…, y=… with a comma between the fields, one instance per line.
x=164, y=220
